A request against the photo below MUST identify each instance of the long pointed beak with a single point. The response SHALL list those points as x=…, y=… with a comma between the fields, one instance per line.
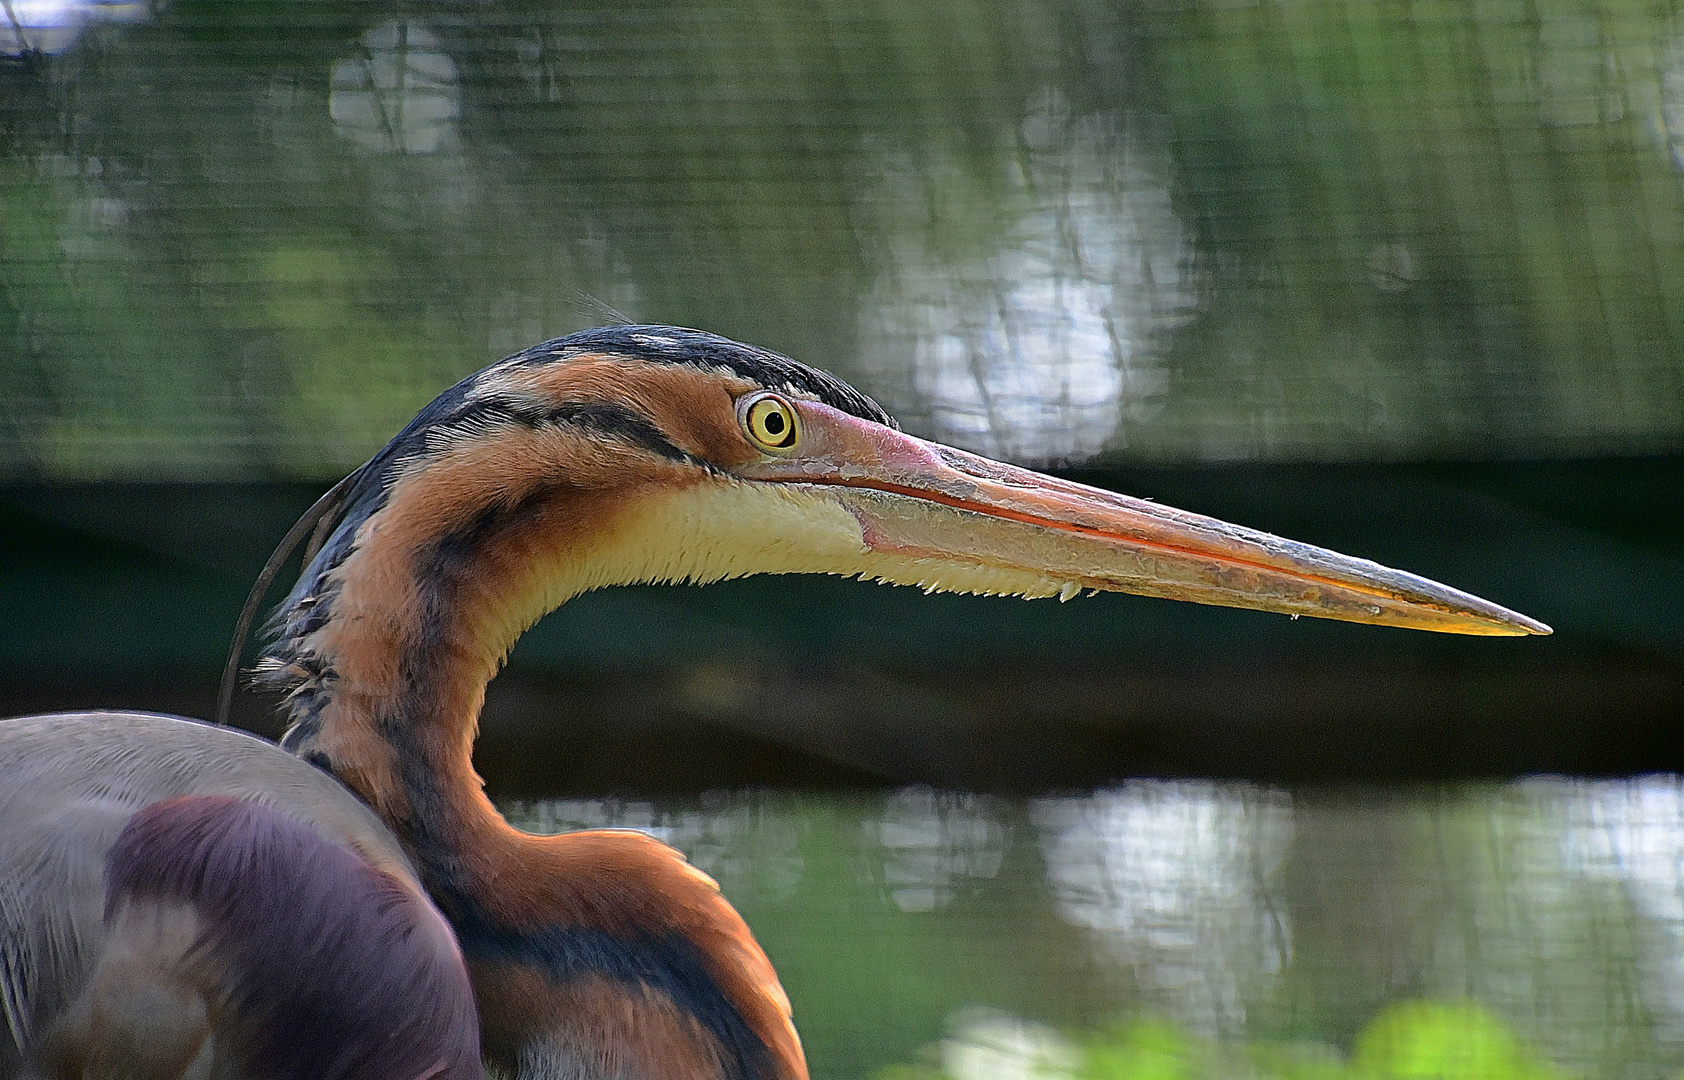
x=918, y=500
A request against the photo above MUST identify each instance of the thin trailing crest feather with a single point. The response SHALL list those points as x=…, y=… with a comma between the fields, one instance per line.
x=317, y=522
x=470, y=410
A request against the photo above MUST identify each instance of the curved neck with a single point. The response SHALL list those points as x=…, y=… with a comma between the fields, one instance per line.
x=387, y=649
x=460, y=535
x=415, y=622
x=412, y=633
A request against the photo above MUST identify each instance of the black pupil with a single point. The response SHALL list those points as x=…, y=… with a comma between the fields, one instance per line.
x=774, y=424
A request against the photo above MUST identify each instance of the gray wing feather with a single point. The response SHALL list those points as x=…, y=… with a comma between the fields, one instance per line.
x=69, y=783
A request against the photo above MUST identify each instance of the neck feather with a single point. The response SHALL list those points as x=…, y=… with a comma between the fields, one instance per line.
x=419, y=616
x=388, y=674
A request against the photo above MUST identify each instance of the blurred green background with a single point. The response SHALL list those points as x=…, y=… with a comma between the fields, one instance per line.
x=1401, y=278
x=247, y=240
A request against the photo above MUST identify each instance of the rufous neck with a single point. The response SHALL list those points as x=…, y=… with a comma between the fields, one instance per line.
x=411, y=634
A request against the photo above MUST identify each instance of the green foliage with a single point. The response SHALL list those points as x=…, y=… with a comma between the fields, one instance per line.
x=907, y=1072
x=1143, y=1050
x=1445, y=185
x=1433, y=229
x=1408, y=1040
x=1430, y=1040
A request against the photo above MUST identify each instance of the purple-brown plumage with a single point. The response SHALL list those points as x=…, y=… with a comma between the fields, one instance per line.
x=313, y=964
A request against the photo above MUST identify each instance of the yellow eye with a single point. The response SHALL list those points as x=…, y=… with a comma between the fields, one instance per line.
x=770, y=423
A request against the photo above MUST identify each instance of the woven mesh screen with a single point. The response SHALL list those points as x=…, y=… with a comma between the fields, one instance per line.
x=248, y=240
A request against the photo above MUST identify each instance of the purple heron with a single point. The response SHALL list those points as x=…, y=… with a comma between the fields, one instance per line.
x=621, y=455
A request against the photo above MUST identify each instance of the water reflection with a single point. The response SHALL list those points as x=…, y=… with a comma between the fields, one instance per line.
x=1495, y=900
x=1178, y=883
x=1028, y=339
x=744, y=843
x=1235, y=914
x=935, y=843
x=1632, y=835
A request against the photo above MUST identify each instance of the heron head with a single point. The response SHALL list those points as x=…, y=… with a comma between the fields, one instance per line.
x=657, y=454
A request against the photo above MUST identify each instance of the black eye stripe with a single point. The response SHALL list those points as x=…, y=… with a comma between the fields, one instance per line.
x=619, y=422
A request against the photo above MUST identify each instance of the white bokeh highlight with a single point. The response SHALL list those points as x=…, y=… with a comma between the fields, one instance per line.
x=1038, y=349
x=990, y=1045
x=400, y=93
x=49, y=27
